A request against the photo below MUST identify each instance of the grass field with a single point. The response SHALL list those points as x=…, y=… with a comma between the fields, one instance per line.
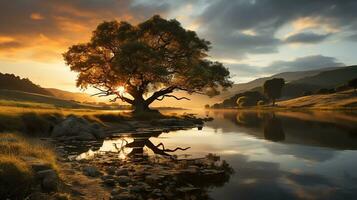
x=16, y=175
x=340, y=100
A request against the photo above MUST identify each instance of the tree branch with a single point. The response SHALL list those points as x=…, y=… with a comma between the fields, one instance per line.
x=173, y=96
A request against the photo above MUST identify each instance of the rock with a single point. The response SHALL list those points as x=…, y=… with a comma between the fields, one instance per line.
x=123, y=196
x=109, y=182
x=77, y=128
x=173, y=122
x=188, y=189
x=111, y=170
x=123, y=180
x=117, y=191
x=137, y=189
x=152, y=179
x=122, y=172
x=43, y=173
x=157, y=192
x=91, y=171
x=50, y=180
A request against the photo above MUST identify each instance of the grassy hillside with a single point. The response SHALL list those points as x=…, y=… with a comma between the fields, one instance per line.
x=24, y=98
x=12, y=82
x=339, y=100
x=287, y=76
x=75, y=96
x=330, y=79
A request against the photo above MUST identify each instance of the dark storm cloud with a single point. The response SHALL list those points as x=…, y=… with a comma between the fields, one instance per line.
x=265, y=17
x=352, y=38
x=306, y=38
x=299, y=64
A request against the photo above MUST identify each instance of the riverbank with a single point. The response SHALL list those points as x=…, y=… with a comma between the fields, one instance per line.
x=344, y=101
x=69, y=133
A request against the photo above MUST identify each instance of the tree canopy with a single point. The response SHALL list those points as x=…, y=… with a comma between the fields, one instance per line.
x=353, y=83
x=273, y=88
x=151, y=59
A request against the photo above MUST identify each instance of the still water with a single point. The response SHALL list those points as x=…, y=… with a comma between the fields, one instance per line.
x=281, y=155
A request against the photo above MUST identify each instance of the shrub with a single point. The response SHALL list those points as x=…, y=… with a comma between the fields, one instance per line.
x=260, y=103
x=342, y=88
x=325, y=91
x=242, y=101
x=307, y=93
x=16, y=178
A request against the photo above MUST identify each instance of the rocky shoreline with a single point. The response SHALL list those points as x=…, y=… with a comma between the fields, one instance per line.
x=106, y=175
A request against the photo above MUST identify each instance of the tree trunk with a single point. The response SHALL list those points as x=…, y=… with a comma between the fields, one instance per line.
x=140, y=106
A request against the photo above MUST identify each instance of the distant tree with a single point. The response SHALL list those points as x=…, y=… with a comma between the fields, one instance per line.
x=307, y=93
x=273, y=129
x=273, y=88
x=260, y=103
x=243, y=101
x=342, y=88
x=206, y=106
x=325, y=91
x=353, y=83
x=153, y=58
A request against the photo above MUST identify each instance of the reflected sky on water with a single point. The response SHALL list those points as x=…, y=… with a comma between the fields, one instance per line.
x=281, y=155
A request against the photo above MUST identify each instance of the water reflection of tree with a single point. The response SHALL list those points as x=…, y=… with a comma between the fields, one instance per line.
x=273, y=129
x=138, y=145
x=192, y=177
x=270, y=124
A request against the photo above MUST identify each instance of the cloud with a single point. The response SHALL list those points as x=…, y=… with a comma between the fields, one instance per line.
x=352, y=38
x=62, y=23
x=303, y=63
x=221, y=18
x=236, y=29
x=309, y=38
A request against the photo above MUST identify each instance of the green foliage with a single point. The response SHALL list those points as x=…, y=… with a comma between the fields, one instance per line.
x=157, y=55
x=273, y=88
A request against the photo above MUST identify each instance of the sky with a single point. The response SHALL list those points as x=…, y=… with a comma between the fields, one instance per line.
x=253, y=38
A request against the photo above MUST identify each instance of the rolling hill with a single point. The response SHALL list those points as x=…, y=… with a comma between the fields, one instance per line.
x=25, y=97
x=344, y=99
x=12, y=82
x=287, y=76
x=74, y=96
x=312, y=82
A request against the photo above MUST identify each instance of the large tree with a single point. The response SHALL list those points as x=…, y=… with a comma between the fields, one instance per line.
x=149, y=61
x=273, y=88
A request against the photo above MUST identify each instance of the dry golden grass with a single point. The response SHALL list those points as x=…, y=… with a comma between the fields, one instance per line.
x=16, y=146
x=16, y=175
x=339, y=100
